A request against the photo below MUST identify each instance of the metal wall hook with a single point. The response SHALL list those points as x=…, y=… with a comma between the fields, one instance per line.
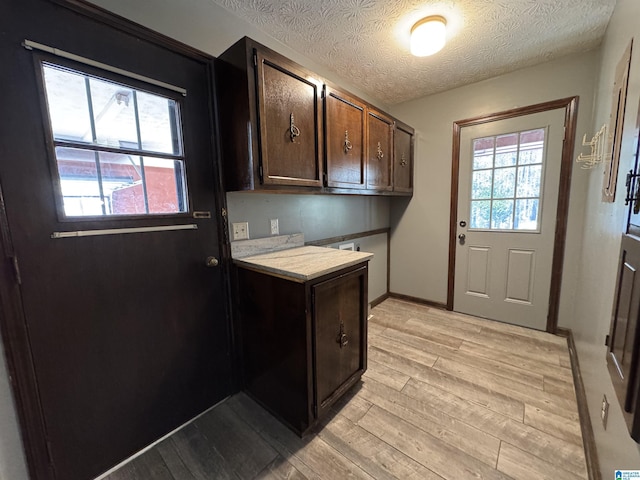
x=598, y=144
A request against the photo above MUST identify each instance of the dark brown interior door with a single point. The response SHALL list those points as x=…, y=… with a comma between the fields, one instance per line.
x=128, y=332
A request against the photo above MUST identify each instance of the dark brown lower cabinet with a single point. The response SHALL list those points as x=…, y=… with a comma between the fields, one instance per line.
x=303, y=344
x=622, y=355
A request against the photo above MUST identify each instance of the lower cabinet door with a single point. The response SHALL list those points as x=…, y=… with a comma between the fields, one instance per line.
x=339, y=315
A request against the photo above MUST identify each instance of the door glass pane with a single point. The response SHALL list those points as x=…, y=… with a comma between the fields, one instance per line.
x=480, y=214
x=502, y=215
x=511, y=176
x=113, y=114
x=122, y=184
x=526, y=217
x=157, y=123
x=506, y=150
x=482, y=184
x=505, y=183
x=79, y=181
x=68, y=106
x=483, y=152
x=164, y=191
x=529, y=181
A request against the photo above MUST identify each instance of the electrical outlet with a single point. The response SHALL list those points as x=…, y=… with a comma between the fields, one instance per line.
x=604, y=412
x=240, y=230
x=275, y=229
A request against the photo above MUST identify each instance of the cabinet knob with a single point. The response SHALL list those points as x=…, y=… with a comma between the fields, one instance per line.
x=211, y=262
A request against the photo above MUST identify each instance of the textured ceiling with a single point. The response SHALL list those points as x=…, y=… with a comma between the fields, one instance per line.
x=366, y=42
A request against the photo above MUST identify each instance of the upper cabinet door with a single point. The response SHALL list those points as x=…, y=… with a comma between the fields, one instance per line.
x=290, y=117
x=403, y=158
x=345, y=140
x=379, y=151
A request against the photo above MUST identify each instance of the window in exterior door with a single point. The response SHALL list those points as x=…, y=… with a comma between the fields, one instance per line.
x=118, y=150
x=506, y=185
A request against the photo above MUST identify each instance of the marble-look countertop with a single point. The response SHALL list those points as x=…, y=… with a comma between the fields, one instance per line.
x=303, y=263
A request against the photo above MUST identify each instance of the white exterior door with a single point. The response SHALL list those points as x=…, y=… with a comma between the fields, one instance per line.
x=507, y=201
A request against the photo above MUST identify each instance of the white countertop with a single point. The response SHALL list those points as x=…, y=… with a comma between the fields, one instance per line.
x=303, y=263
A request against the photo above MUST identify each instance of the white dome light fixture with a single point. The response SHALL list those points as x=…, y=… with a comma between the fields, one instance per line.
x=428, y=36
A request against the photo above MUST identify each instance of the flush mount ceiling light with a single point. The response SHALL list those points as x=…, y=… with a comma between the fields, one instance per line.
x=428, y=36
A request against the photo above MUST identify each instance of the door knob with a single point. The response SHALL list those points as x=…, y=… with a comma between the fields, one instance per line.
x=462, y=237
x=211, y=262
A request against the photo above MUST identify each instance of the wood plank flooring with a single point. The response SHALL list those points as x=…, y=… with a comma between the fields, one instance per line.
x=446, y=396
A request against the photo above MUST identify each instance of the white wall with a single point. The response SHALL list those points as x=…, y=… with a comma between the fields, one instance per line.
x=376, y=244
x=420, y=227
x=604, y=224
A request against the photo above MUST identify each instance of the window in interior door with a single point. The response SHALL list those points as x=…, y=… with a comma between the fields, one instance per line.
x=118, y=149
x=506, y=183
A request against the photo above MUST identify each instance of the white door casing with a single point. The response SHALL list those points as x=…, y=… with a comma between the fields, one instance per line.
x=505, y=274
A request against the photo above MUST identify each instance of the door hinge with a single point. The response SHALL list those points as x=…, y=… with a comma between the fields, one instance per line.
x=224, y=212
x=255, y=59
x=16, y=269
x=260, y=172
x=606, y=340
x=325, y=179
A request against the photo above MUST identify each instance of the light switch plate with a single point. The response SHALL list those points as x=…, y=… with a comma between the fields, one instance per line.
x=240, y=230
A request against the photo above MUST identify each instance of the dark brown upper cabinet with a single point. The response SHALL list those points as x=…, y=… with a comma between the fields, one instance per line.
x=290, y=105
x=379, y=151
x=282, y=129
x=403, y=158
x=345, y=139
x=270, y=116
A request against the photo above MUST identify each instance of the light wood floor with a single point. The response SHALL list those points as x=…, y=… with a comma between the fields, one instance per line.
x=445, y=396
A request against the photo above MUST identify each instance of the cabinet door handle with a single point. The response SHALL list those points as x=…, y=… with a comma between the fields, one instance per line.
x=347, y=143
x=293, y=130
x=342, y=339
x=403, y=161
x=380, y=154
